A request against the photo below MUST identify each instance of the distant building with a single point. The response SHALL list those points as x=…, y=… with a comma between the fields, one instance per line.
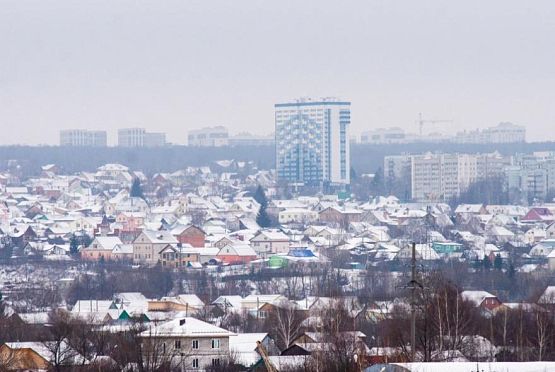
x=502, y=133
x=209, y=137
x=83, y=137
x=312, y=141
x=139, y=137
x=532, y=175
x=155, y=139
x=440, y=177
x=248, y=139
x=384, y=136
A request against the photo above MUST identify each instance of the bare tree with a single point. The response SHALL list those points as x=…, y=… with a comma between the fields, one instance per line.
x=286, y=321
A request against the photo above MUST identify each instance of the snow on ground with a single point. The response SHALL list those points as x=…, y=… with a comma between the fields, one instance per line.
x=481, y=367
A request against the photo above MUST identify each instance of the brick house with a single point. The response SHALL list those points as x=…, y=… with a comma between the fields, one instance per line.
x=190, y=234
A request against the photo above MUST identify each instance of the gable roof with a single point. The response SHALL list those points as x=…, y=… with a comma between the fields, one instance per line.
x=158, y=237
x=476, y=297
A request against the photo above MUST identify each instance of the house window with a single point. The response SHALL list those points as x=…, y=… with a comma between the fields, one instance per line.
x=215, y=343
x=215, y=362
x=195, y=363
x=164, y=348
x=195, y=344
x=262, y=314
x=178, y=344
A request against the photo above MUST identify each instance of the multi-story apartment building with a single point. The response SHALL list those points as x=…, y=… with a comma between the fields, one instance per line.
x=209, y=137
x=139, y=137
x=384, y=136
x=440, y=176
x=248, y=139
x=83, y=137
x=155, y=139
x=312, y=141
x=502, y=133
x=532, y=175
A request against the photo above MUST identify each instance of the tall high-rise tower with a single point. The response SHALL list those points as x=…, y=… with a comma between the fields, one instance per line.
x=312, y=141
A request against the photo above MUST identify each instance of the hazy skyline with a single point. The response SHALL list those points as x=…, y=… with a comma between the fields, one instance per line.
x=173, y=66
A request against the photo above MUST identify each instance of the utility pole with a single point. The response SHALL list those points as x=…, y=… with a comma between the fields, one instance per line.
x=413, y=285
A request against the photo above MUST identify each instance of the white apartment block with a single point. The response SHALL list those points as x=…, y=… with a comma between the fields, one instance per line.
x=83, y=137
x=248, y=139
x=139, y=137
x=533, y=175
x=312, y=141
x=502, y=133
x=382, y=136
x=440, y=177
x=209, y=137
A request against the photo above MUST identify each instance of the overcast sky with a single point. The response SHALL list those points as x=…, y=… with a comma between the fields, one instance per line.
x=178, y=65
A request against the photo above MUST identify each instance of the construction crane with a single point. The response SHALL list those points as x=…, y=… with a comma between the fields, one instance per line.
x=421, y=122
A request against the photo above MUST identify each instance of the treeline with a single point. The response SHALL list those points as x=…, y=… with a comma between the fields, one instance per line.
x=364, y=158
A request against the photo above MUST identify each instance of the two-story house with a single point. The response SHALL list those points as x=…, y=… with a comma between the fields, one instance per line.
x=149, y=243
x=187, y=344
x=268, y=242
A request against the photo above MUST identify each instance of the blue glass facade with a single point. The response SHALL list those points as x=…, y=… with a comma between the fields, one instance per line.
x=311, y=142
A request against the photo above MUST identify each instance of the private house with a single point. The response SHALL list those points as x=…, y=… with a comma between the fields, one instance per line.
x=189, y=303
x=130, y=221
x=268, y=242
x=178, y=256
x=465, y=209
x=243, y=346
x=482, y=299
x=21, y=235
x=149, y=243
x=189, y=234
x=187, y=343
x=423, y=252
x=543, y=248
x=38, y=356
x=229, y=303
x=102, y=247
x=297, y=215
x=339, y=217
x=445, y=248
x=255, y=303
x=123, y=252
x=235, y=254
x=538, y=214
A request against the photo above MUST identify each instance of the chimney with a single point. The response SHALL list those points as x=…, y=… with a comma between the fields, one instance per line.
x=181, y=322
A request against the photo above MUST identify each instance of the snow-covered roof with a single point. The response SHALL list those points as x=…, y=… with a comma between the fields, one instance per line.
x=476, y=297
x=186, y=327
x=243, y=345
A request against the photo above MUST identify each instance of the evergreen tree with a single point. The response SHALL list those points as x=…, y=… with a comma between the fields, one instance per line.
x=86, y=240
x=260, y=196
x=136, y=189
x=262, y=218
x=486, y=263
x=498, y=262
x=73, y=246
x=511, y=271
